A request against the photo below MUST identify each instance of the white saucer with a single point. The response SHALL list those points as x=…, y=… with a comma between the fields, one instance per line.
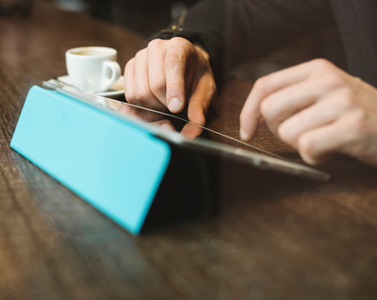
x=117, y=89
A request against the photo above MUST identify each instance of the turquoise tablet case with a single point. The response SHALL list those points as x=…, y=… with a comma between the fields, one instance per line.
x=109, y=161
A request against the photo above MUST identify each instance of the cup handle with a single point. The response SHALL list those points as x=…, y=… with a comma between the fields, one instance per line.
x=107, y=81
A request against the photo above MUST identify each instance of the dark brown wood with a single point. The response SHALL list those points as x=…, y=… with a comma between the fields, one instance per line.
x=274, y=236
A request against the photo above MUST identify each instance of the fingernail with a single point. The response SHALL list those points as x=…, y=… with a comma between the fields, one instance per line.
x=244, y=135
x=175, y=104
x=166, y=127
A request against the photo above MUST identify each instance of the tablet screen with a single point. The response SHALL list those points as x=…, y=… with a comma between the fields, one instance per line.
x=176, y=129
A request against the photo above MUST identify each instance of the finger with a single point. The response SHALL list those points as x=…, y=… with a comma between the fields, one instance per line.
x=113, y=104
x=178, y=55
x=164, y=124
x=317, y=145
x=125, y=109
x=270, y=84
x=322, y=113
x=129, y=111
x=143, y=94
x=139, y=113
x=288, y=101
x=204, y=89
x=191, y=130
x=129, y=81
x=156, y=66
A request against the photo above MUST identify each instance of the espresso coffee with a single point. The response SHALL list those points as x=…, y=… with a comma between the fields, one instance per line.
x=90, y=52
x=92, y=69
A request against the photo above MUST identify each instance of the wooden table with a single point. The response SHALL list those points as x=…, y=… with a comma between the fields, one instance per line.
x=274, y=236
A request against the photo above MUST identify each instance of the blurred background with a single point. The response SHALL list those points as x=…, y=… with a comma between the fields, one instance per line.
x=147, y=17
x=142, y=16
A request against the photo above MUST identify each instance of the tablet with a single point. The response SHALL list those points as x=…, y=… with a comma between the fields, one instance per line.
x=150, y=120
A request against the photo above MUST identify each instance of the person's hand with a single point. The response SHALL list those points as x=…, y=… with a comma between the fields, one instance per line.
x=168, y=74
x=152, y=118
x=139, y=113
x=317, y=109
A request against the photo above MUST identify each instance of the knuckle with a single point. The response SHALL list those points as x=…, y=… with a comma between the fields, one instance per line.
x=142, y=94
x=155, y=44
x=356, y=121
x=179, y=41
x=261, y=84
x=157, y=85
x=130, y=97
x=357, y=80
x=345, y=99
x=333, y=79
x=140, y=54
x=173, y=58
x=321, y=63
x=266, y=109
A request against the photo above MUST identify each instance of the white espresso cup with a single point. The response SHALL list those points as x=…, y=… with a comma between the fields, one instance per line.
x=92, y=69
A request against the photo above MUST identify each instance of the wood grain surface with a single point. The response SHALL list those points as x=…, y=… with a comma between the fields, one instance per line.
x=274, y=237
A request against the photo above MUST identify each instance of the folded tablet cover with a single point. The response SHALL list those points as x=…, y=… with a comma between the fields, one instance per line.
x=111, y=163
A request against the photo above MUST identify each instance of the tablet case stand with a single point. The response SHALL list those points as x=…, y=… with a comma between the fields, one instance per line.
x=138, y=180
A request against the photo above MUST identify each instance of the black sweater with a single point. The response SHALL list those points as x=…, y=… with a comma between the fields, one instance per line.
x=233, y=31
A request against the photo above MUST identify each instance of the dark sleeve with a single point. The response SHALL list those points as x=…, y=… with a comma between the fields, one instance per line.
x=233, y=31
x=357, y=23
x=203, y=24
